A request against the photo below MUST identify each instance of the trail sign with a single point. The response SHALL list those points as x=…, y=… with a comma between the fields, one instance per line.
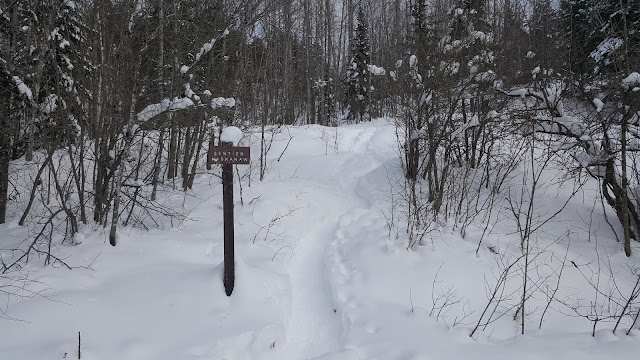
x=227, y=155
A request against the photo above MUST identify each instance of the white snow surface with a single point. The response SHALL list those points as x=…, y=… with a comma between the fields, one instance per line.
x=22, y=87
x=330, y=280
x=231, y=134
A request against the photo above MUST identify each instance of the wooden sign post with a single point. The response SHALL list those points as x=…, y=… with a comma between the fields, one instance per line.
x=227, y=155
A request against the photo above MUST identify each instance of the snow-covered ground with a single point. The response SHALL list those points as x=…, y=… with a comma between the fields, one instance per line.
x=320, y=274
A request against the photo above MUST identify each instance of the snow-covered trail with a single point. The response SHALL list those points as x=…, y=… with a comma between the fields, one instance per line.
x=316, y=326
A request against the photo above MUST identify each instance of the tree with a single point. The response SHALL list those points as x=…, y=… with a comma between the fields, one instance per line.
x=595, y=31
x=358, y=77
x=546, y=43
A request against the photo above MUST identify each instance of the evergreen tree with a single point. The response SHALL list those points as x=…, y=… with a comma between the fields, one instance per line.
x=545, y=37
x=69, y=66
x=513, y=44
x=358, y=78
x=47, y=55
x=595, y=31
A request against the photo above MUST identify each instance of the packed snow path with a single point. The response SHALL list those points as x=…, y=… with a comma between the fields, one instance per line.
x=315, y=327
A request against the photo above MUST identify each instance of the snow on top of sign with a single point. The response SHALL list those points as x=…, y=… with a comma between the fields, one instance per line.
x=231, y=134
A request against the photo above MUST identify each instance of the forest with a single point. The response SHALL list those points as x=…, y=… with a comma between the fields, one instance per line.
x=109, y=106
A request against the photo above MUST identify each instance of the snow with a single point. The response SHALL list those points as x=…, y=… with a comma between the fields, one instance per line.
x=231, y=134
x=451, y=68
x=606, y=47
x=479, y=35
x=413, y=61
x=331, y=279
x=180, y=104
x=376, y=70
x=518, y=92
x=475, y=121
x=425, y=98
x=598, y=104
x=206, y=47
x=22, y=87
x=632, y=80
x=486, y=76
x=222, y=102
x=153, y=110
x=535, y=71
x=49, y=105
x=187, y=91
x=67, y=61
x=68, y=81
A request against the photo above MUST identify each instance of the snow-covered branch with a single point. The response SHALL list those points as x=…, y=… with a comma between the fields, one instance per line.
x=206, y=47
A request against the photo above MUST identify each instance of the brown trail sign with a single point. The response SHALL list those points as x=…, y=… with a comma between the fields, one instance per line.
x=227, y=155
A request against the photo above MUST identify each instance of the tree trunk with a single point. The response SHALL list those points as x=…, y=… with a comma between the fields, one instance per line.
x=5, y=145
x=122, y=165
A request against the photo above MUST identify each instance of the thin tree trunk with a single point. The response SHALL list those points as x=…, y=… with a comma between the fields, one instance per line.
x=623, y=141
x=161, y=80
x=5, y=145
x=128, y=138
x=34, y=187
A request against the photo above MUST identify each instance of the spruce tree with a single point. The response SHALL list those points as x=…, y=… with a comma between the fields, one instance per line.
x=358, y=78
x=595, y=32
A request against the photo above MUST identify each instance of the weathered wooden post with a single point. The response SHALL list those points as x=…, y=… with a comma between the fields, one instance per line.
x=228, y=154
x=227, y=206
